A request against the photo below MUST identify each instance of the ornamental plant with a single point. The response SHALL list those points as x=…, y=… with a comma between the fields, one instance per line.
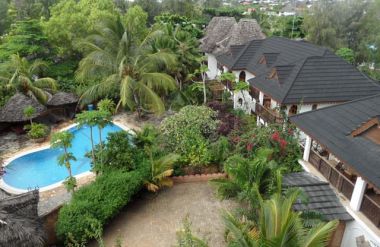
x=188, y=134
x=37, y=130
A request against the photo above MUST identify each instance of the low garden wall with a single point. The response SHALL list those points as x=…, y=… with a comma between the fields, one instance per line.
x=198, y=178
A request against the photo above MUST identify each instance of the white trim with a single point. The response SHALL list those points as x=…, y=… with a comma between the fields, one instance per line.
x=13, y=190
x=357, y=194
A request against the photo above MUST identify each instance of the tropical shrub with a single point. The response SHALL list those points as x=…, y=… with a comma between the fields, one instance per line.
x=37, y=131
x=277, y=225
x=187, y=132
x=286, y=151
x=119, y=153
x=248, y=177
x=94, y=205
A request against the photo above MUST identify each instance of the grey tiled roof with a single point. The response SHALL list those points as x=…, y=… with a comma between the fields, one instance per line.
x=321, y=197
x=332, y=127
x=307, y=73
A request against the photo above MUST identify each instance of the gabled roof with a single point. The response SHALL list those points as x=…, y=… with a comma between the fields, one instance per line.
x=306, y=73
x=224, y=32
x=332, y=127
x=321, y=197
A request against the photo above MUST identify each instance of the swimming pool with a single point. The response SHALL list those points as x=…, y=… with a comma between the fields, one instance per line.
x=40, y=168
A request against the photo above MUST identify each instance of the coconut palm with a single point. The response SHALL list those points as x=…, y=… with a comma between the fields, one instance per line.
x=161, y=170
x=21, y=75
x=277, y=226
x=125, y=66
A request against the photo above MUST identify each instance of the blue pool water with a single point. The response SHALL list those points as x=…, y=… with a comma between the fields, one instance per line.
x=40, y=169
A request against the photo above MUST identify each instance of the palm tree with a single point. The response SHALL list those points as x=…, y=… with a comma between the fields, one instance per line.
x=21, y=75
x=126, y=66
x=184, y=45
x=277, y=226
x=64, y=140
x=161, y=170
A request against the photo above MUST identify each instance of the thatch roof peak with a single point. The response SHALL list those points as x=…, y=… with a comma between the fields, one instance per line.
x=216, y=31
x=19, y=222
x=242, y=32
x=223, y=32
x=13, y=111
x=62, y=98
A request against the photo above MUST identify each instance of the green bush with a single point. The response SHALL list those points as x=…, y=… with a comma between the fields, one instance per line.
x=94, y=205
x=187, y=133
x=37, y=130
x=118, y=153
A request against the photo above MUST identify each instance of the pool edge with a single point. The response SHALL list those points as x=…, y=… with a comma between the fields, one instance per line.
x=10, y=189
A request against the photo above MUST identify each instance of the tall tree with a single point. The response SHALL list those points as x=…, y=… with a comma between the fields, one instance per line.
x=26, y=39
x=72, y=20
x=127, y=66
x=4, y=21
x=23, y=76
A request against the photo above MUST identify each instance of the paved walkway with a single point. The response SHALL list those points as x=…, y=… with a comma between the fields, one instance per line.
x=152, y=221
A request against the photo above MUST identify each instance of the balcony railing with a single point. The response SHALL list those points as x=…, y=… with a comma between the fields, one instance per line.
x=268, y=115
x=343, y=184
x=371, y=209
x=333, y=175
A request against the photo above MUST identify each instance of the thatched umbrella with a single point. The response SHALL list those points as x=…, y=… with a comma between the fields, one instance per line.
x=13, y=111
x=216, y=31
x=242, y=32
x=19, y=222
x=63, y=104
x=62, y=98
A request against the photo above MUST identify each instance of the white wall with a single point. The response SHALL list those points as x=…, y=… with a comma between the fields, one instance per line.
x=212, y=66
x=248, y=103
x=354, y=230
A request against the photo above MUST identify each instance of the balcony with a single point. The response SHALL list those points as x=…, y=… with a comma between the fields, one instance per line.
x=345, y=184
x=268, y=115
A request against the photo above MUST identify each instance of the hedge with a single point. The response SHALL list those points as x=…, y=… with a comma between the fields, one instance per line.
x=94, y=205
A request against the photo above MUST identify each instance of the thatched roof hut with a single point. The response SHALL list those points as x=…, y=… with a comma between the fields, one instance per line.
x=62, y=98
x=13, y=111
x=242, y=32
x=216, y=31
x=222, y=32
x=19, y=222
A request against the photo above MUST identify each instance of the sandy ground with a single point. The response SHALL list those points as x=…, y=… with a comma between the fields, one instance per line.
x=152, y=221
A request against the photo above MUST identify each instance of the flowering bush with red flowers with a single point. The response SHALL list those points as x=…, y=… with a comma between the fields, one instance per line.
x=286, y=151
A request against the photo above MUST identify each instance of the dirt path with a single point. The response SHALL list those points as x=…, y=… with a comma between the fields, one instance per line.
x=154, y=221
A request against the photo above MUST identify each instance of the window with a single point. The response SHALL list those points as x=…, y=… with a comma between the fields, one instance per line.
x=293, y=110
x=242, y=76
x=273, y=74
x=262, y=60
x=314, y=107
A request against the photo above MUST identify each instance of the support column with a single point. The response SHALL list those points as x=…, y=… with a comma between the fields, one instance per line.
x=357, y=194
x=261, y=98
x=306, y=152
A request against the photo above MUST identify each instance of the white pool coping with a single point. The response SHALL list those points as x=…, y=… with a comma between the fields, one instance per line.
x=13, y=190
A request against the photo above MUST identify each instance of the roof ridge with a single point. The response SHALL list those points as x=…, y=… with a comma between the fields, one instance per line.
x=298, y=72
x=243, y=51
x=336, y=105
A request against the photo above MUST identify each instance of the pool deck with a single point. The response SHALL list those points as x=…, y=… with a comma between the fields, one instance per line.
x=51, y=198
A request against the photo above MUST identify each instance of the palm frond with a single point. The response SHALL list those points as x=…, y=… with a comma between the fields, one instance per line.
x=320, y=235
x=40, y=94
x=37, y=66
x=150, y=99
x=46, y=82
x=159, y=82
